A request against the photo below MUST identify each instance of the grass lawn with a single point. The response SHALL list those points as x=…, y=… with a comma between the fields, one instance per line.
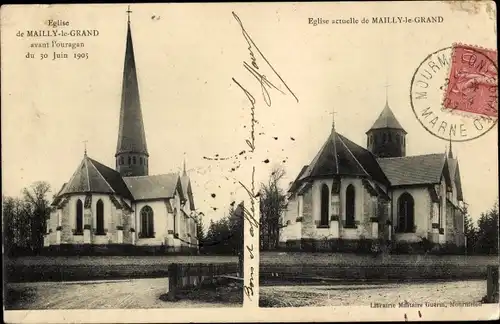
x=116, y=260
x=66, y=268
x=318, y=258
x=276, y=267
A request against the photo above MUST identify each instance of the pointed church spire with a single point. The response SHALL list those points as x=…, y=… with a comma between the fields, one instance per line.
x=386, y=137
x=184, y=173
x=85, y=147
x=387, y=94
x=131, y=145
x=450, y=153
x=333, y=120
x=334, y=140
x=387, y=119
x=128, y=14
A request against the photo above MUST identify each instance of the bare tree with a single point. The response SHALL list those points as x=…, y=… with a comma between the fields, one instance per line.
x=272, y=206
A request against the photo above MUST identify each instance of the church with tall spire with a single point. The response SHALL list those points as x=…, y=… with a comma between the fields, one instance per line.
x=124, y=209
x=349, y=195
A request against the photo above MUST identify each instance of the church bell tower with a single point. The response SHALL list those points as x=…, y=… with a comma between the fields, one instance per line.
x=386, y=138
x=131, y=150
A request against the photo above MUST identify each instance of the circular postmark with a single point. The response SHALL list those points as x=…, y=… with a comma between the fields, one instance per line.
x=454, y=92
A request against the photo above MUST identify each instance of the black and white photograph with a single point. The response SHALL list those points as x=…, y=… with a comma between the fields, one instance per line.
x=391, y=199
x=114, y=196
x=248, y=162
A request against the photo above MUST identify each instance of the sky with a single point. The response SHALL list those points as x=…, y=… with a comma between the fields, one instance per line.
x=187, y=56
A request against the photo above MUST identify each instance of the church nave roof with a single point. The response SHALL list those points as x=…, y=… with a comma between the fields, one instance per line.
x=414, y=170
x=159, y=186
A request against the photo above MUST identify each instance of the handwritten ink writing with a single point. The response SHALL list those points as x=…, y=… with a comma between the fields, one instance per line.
x=249, y=289
x=255, y=69
x=251, y=142
x=250, y=250
x=252, y=45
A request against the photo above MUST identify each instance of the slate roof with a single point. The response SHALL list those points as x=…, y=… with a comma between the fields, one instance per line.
x=114, y=178
x=160, y=186
x=94, y=177
x=387, y=119
x=187, y=191
x=131, y=136
x=455, y=175
x=340, y=156
x=57, y=196
x=367, y=160
x=414, y=170
x=295, y=184
x=333, y=159
x=62, y=188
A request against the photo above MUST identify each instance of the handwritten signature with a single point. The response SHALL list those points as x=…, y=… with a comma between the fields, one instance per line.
x=254, y=66
x=249, y=289
x=255, y=69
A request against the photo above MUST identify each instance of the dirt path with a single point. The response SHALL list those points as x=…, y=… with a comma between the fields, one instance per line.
x=364, y=294
x=116, y=294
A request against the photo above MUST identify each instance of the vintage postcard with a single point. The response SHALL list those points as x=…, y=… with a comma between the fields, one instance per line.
x=248, y=162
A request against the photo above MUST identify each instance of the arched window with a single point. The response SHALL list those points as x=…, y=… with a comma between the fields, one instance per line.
x=134, y=160
x=100, y=218
x=350, y=201
x=79, y=217
x=147, y=222
x=121, y=160
x=397, y=138
x=129, y=160
x=405, y=213
x=385, y=138
x=325, y=202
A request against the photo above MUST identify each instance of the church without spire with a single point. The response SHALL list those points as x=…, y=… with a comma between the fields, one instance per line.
x=125, y=208
x=348, y=195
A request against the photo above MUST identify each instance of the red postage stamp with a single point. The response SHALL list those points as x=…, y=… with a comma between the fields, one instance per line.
x=473, y=81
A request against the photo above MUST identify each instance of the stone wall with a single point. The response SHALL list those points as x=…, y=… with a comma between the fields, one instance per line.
x=384, y=221
x=308, y=225
x=127, y=226
x=189, y=275
x=66, y=225
x=113, y=222
x=450, y=223
x=368, y=212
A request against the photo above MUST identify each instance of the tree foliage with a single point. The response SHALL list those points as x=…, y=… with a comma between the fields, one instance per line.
x=470, y=231
x=25, y=219
x=487, y=232
x=225, y=236
x=272, y=205
x=483, y=238
x=200, y=231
